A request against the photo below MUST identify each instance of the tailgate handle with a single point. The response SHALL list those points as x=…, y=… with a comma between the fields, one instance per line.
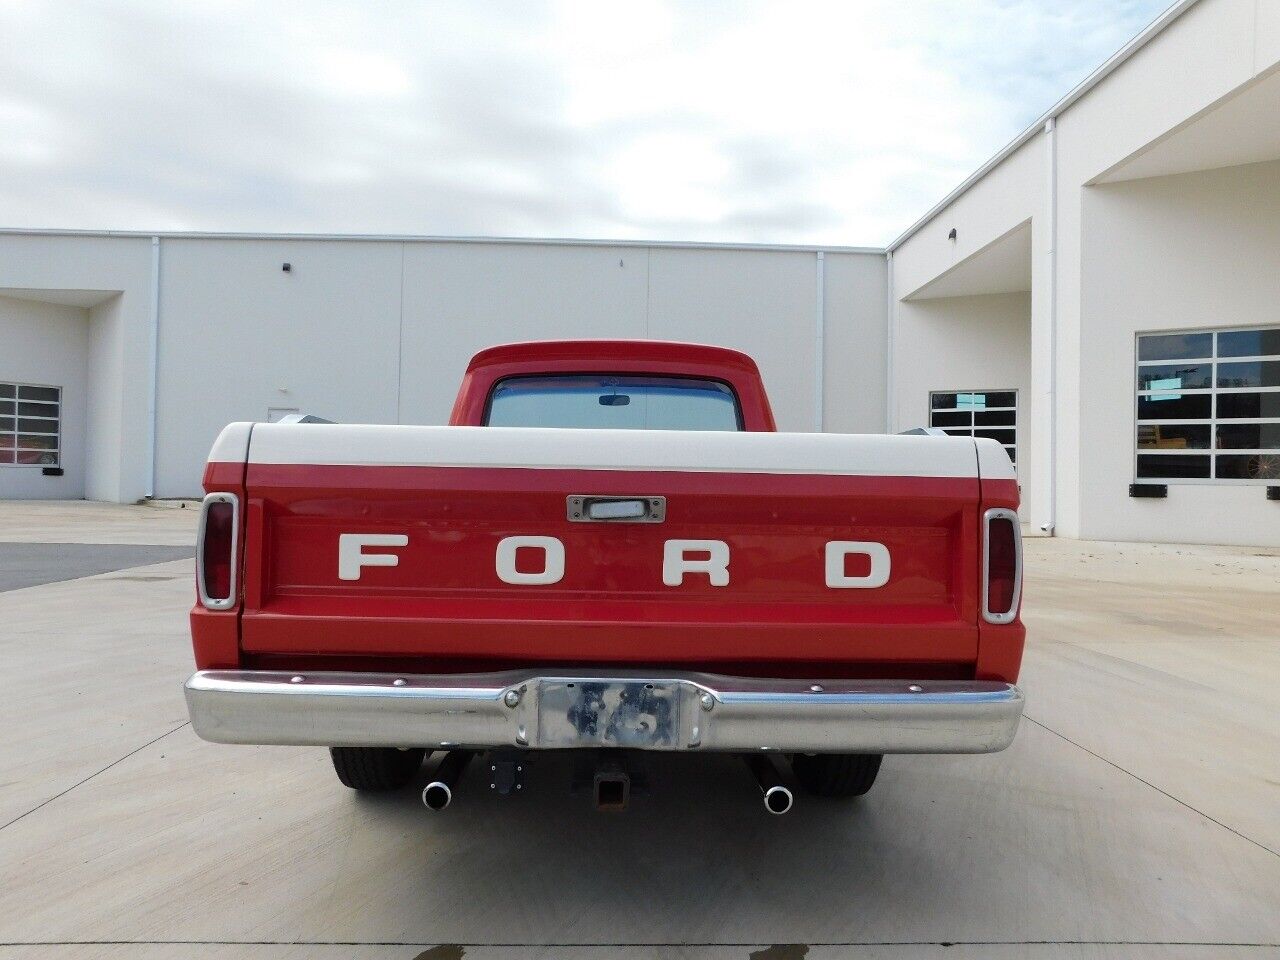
x=588, y=509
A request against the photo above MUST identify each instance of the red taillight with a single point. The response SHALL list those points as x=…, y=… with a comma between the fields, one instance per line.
x=216, y=551
x=1002, y=568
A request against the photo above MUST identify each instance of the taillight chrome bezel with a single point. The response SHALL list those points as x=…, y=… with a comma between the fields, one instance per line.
x=1008, y=616
x=229, y=601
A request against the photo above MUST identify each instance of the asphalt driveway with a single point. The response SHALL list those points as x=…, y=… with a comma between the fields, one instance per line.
x=29, y=564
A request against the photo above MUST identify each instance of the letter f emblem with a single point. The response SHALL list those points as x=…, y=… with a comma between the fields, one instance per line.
x=351, y=555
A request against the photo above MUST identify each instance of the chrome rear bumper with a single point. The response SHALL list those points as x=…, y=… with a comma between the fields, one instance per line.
x=649, y=711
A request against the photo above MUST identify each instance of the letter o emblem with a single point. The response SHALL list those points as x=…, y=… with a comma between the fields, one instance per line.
x=552, y=560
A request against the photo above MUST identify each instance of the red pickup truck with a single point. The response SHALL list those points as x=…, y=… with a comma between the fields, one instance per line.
x=609, y=549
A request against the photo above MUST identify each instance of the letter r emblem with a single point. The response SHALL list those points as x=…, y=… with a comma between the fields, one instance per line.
x=676, y=561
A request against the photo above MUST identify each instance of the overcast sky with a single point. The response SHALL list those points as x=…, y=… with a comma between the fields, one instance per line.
x=787, y=122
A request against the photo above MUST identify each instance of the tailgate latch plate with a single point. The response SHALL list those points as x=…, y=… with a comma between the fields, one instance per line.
x=583, y=508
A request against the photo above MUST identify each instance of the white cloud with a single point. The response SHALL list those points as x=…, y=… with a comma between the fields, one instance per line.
x=759, y=120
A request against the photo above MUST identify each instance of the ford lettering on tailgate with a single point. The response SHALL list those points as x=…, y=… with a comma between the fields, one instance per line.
x=679, y=557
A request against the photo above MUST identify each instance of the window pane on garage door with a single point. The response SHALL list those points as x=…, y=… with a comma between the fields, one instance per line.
x=27, y=391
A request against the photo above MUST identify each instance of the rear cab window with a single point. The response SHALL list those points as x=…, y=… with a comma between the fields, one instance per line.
x=613, y=402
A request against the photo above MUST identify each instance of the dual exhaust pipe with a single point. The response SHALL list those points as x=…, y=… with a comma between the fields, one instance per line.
x=438, y=794
x=612, y=783
x=777, y=797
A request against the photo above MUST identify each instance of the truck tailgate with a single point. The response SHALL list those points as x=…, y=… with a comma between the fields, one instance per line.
x=448, y=496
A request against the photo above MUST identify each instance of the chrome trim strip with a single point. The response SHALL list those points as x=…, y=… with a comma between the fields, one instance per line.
x=206, y=601
x=1001, y=513
x=710, y=712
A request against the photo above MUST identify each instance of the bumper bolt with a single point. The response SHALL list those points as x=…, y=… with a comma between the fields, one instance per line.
x=915, y=688
x=398, y=682
x=707, y=701
x=511, y=698
x=295, y=679
x=816, y=688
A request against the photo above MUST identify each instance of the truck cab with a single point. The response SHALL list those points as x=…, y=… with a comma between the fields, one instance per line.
x=592, y=384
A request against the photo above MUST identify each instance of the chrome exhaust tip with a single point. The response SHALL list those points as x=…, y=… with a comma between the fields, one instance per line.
x=778, y=800
x=436, y=795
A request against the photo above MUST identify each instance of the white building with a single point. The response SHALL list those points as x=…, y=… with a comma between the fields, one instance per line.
x=1103, y=295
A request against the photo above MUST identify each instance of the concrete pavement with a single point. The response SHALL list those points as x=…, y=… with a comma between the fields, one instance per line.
x=1137, y=814
x=164, y=522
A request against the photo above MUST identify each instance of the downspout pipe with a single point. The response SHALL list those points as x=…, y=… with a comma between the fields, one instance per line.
x=1051, y=148
x=890, y=305
x=819, y=341
x=153, y=360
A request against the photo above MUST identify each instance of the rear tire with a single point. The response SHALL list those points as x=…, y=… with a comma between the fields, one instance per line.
x=375, y=769
x=836, y=774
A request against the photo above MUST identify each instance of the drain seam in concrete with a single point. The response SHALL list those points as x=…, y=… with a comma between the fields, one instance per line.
x=63, y=793
x=1130, y=773
x=678, y=943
